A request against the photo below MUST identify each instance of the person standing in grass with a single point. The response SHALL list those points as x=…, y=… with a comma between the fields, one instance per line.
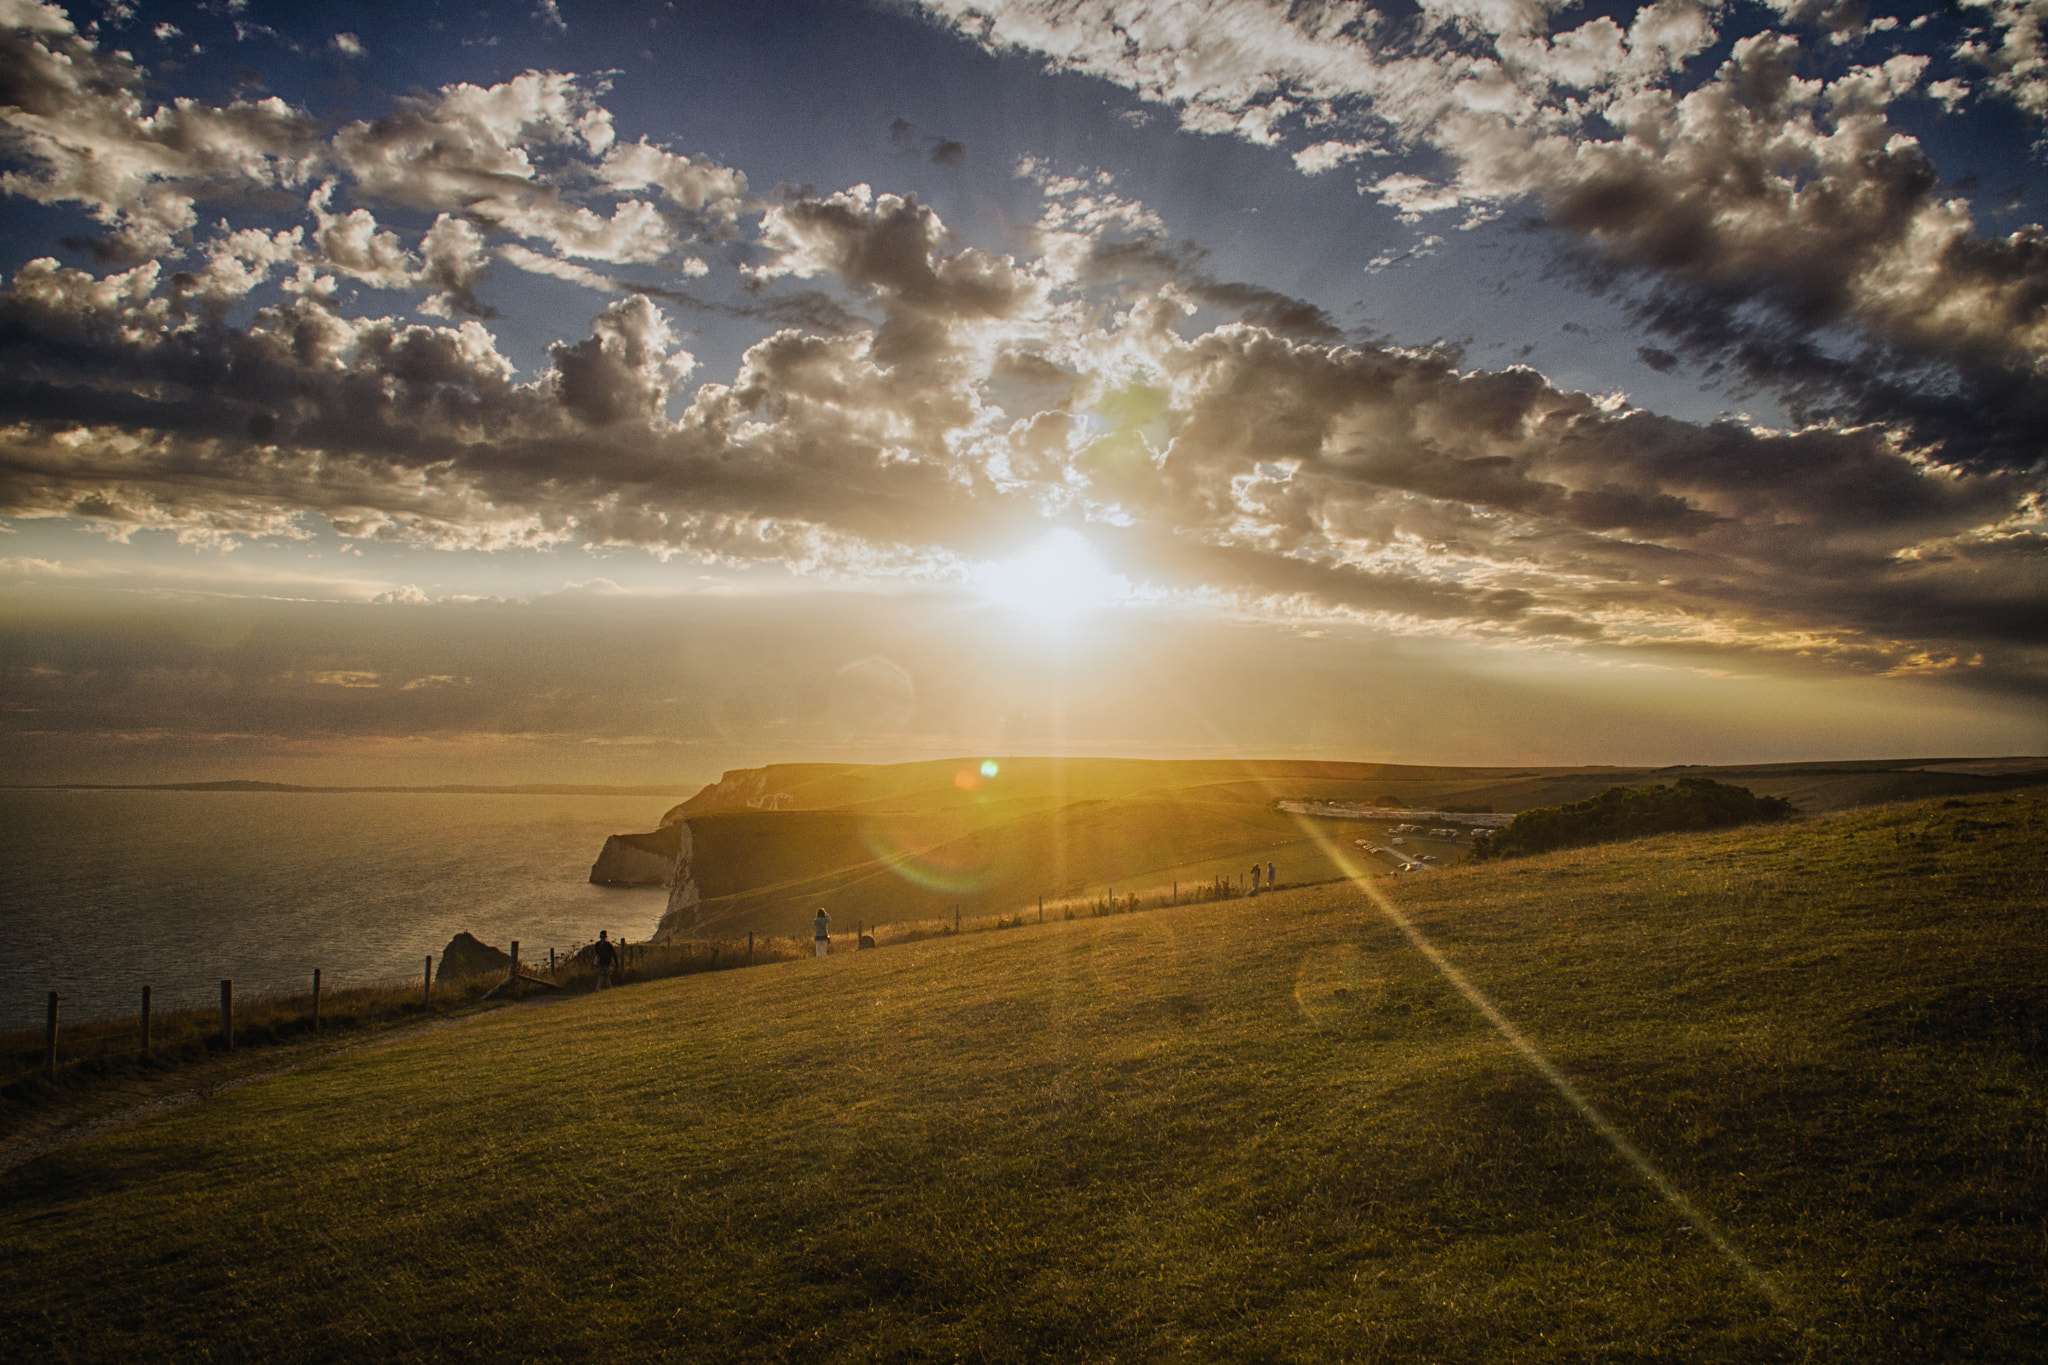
x=604, y=957
x=1272, y=877
x=821, y=932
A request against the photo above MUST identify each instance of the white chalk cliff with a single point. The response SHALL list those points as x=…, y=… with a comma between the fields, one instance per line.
x=634, y=860
x=664, y=856
x=681, y=915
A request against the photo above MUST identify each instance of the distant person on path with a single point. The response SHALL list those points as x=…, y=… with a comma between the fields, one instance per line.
x=1272, y=877
x=821, y=932
x=1255, y=879
x=604, y=956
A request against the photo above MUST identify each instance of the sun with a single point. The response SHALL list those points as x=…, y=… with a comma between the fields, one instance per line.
x=1054, y=581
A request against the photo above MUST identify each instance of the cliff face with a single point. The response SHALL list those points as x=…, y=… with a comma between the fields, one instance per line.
x=681, y=915
x=744, y=789
x=660, y=857
x=637, y=859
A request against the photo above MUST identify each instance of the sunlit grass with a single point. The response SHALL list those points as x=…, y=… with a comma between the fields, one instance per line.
x=1259, y=1129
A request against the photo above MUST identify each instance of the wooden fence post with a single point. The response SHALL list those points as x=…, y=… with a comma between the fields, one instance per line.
x=956, y=919
x=145, y=1021
x=427, y=988
x=227, y=1014
x=50, y=1041
x=750, y=947
x=316, y=1000
x=551, y=962
x=512, y=973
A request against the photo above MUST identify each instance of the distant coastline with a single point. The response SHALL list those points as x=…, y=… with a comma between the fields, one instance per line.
x=453, y=789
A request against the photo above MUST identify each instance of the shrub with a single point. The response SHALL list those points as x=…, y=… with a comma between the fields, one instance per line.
x=1691, y=803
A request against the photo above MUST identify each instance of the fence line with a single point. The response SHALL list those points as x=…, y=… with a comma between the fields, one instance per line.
x=647, y=960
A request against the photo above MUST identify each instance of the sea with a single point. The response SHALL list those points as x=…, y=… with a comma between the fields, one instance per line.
x=103, y=892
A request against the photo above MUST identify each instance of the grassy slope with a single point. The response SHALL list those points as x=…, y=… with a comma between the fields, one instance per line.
x=1260, y=1130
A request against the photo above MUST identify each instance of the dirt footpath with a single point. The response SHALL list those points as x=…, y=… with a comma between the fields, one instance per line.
x=67, y=1125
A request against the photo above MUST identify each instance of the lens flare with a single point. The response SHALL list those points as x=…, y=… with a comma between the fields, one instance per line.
x=954, y=872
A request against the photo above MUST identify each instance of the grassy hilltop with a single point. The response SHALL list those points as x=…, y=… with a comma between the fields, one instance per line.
x=881, y=844
x=1260, y=1129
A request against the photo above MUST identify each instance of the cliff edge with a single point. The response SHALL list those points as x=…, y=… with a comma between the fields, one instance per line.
x=639, y=859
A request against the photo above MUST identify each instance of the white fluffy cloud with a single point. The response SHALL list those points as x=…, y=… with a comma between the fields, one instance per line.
x=79, y=129
x=75, y=120
x=1755, y=204
x=2017, y=61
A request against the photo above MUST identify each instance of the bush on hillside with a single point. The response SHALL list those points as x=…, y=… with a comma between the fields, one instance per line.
x=1691, y=803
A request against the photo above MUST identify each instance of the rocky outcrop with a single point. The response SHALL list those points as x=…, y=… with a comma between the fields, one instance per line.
x=638, y=859
x=466, y=955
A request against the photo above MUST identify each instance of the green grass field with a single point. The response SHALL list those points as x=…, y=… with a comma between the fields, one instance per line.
x=1259, y=1130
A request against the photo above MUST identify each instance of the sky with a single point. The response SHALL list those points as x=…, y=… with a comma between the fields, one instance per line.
x=619, y=393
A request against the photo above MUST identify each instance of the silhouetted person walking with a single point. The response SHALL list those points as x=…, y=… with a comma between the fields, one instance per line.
x=604, y=956
x=821, y=932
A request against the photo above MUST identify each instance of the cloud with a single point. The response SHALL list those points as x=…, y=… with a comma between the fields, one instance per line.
x=2018, y=62
x=1304, y=474
x=75, y=116
x=625, y=370
x=471, y=151
x=1415, y=196
x=555, y=268
x=1319, y=157
x=78, y=129
x=1752, y=209
x=919, y=400
x=695, y=184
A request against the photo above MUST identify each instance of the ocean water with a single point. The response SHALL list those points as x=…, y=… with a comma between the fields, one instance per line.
x=104, y=891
